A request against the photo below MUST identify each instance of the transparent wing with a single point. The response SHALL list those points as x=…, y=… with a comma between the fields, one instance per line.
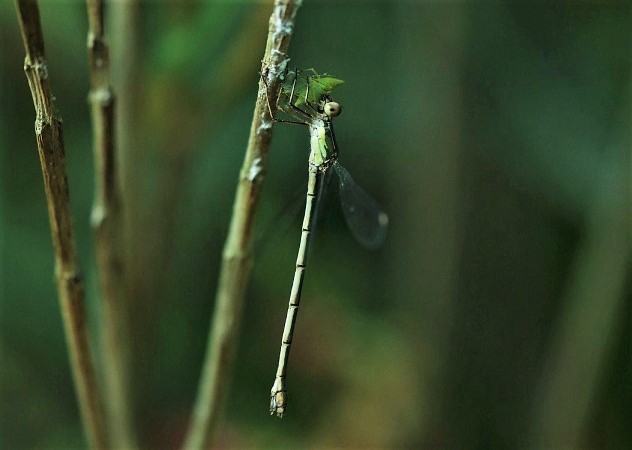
x=323, y=188
x=280, y=223
x=366, y=219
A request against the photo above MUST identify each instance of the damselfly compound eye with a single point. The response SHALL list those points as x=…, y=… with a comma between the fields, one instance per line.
x=332, y=109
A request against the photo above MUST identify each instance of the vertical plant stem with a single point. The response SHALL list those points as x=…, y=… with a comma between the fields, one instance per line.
x=590, y=322
x=50, y=146
x=126, y=76
x=237, y=255
x=108, y=232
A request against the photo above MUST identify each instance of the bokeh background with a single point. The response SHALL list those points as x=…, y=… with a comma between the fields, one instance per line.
x=497, y=136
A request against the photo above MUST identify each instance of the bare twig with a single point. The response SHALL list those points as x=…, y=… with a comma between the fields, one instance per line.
x=50, y=145
x=126, y=73
x=237, y=256
x=108, y=232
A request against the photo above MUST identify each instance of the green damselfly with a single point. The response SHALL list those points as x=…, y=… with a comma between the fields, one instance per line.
x=305, y=97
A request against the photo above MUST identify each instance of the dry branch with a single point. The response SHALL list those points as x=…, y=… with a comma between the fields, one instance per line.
x=237, y=258
x=50, y=146
x=108, y=231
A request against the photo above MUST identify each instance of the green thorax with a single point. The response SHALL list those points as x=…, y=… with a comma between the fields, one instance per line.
x=323, y=148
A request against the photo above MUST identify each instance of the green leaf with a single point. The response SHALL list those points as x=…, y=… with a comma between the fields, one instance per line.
x=319, y=86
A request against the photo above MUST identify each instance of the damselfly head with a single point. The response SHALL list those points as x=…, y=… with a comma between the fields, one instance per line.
x=332, y=109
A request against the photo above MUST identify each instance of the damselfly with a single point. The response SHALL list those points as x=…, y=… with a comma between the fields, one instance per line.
x=305, y=97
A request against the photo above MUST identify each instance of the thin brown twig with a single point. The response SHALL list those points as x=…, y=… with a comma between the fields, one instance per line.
x=108, y=232
x=50, y=146
x=237, y=258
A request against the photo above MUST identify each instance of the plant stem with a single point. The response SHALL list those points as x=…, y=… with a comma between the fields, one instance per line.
x=594, y=308
x=108, y=232
x=50, y=146
x=237, y=258
x=126, y=77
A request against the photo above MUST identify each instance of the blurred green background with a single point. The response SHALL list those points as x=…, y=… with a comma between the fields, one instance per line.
x=496, y=136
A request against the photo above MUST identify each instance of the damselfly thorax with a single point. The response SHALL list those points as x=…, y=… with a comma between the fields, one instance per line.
x=323, y=148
